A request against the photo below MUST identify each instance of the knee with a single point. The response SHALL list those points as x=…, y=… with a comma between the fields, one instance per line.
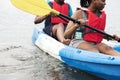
x=108, y=48
x=60, y=25
x=105, y=48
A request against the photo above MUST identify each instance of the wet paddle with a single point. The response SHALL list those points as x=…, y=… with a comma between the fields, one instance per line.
x=40, y=7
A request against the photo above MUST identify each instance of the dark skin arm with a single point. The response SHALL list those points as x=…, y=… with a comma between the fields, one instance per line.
x=71, y=27
x=39, y=19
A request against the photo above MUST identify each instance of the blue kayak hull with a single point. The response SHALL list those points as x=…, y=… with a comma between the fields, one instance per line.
x=101, y=65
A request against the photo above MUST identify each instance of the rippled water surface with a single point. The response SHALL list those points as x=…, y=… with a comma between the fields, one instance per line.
x=21, y=60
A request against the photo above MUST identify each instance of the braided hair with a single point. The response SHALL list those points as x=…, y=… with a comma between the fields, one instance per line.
x=85, y=3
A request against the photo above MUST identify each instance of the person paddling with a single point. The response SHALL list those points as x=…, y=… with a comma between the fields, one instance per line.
x=94, y=16
x=55, y=26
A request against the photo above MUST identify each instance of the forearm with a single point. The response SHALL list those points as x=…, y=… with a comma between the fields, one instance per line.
x=70, y=31
x=40, y=19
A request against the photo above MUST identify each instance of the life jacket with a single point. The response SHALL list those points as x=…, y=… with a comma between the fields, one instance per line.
x=98, y=23
x=64, y=9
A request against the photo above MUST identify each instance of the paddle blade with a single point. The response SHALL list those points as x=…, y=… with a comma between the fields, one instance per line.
x=36, y=7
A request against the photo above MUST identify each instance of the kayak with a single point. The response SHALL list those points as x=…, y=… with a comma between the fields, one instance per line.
x=99, y=64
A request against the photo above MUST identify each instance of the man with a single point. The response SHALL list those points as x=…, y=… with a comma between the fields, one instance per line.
x=55, y=26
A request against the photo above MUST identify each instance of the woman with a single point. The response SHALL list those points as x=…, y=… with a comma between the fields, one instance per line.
x=94, y=16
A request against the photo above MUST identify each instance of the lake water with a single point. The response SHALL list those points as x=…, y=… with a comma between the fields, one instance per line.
x=21, y=60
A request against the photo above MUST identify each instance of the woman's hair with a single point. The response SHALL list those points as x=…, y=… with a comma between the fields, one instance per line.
x=85, y=3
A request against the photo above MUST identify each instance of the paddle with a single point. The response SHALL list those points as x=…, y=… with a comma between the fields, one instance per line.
x=40, y=7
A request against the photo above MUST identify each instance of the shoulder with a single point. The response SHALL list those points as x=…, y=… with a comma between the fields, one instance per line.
x=103, y=12
x=77, y=14
x=67, y=4
x=50, y=4
x=78, y=11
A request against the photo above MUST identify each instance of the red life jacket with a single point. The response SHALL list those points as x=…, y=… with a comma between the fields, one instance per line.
x=98, y=23
x=62, y=9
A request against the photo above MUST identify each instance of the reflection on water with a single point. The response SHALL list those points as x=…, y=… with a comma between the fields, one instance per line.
x=30, y=63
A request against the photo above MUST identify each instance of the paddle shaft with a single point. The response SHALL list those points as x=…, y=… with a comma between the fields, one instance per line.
x=90, y=27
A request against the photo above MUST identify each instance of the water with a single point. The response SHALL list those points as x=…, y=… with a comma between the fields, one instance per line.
x=21, y=60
